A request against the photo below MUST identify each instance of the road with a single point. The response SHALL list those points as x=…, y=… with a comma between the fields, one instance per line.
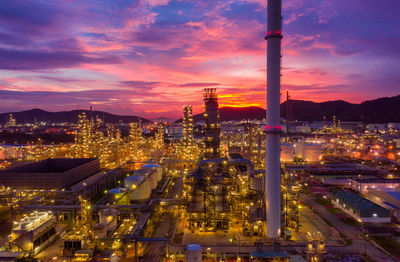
x=155, y=251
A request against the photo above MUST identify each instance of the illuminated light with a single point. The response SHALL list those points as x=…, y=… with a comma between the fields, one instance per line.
x=272, y=127
x=278, y=32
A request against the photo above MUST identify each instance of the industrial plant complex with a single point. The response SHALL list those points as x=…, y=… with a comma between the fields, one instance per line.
x=204, y=189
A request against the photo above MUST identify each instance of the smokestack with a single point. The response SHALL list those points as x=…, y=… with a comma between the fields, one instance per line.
x=273, y=128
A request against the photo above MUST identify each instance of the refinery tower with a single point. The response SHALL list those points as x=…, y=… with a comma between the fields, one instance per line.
x=212, y=128
x=273, y=128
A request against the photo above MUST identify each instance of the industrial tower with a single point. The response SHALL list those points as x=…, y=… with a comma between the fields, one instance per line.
x=187, y=125
x=212, y=128
x=273, y=129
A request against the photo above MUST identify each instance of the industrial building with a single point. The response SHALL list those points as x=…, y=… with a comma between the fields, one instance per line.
x=360, y=208
x=56, y=182
x=208, y=206
x=55, y=173
x=33, y=232
x=388, y=198
x=362, y=185
x=218, y=190
x=10, y=152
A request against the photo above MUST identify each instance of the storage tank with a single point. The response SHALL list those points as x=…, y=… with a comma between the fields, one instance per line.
x=108, y=217
x=157, y=169
x=298, y=149
x=147, y=174
x=139, y=187
x=100, y=230
x=312, y=152
x=118, y=194
x=193, y=253
x=287, y=152
x=132, y=182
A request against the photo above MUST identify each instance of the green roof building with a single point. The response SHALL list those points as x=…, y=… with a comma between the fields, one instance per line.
x=360, y=208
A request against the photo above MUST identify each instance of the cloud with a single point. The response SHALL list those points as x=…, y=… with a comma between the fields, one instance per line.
x=199, y=84
x=139, y=84
x=154, y=56
x=157, y=2
x=33, y=60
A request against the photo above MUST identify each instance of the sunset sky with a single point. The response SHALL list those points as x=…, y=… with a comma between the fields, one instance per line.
x=151, y=57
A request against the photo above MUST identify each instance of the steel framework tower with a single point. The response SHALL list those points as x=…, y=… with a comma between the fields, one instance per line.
x=187, y=125
x=212, y=128
x=273, y=128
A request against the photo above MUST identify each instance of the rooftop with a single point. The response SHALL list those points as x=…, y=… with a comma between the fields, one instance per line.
x=357, y=201
x=395, y=194
x=33, y=221
x=51, y=165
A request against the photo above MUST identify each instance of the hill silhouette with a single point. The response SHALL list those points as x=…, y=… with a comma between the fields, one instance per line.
x=381, y=110
x=38, y=115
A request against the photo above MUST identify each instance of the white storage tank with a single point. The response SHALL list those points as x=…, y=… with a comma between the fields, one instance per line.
x=108, y=217
x=138, y=186
x=193, y=253
x=157, y=169
x=287, y=152
x=147, y=175
x=298, y=149
x=312, y=152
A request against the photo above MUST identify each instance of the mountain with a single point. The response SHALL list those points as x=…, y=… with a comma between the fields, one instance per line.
x=311, y=111
x=38, y=115
x=163, y=119
x=381, y=110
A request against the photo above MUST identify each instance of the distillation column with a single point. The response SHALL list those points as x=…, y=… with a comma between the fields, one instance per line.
x=212, y=128
x=273, y=128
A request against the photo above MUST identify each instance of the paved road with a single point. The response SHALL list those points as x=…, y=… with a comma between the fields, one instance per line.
x=155, y=251
x=359, y=245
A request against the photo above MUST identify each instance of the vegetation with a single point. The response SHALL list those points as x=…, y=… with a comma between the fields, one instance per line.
x=389, y=243
x=347, y=240
x=349, y=221
x=323, y=201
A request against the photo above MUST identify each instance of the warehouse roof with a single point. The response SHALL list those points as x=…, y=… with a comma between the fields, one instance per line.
x=357, y=201
x=395, y=194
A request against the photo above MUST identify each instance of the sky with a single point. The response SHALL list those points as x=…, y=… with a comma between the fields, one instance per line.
x=151, y=57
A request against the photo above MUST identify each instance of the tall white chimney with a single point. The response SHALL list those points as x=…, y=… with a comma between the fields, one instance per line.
x=273, y=128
